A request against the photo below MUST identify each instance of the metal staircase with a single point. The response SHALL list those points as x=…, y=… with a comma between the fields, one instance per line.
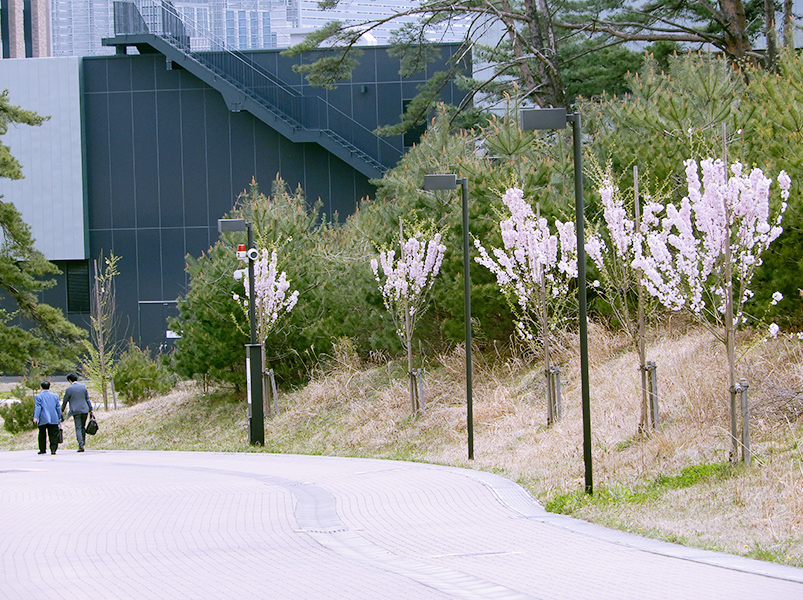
x=156, y=26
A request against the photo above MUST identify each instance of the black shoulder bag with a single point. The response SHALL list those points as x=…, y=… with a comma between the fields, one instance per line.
x=91, y=425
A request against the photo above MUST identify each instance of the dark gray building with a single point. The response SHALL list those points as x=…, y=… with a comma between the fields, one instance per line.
x=160, y=143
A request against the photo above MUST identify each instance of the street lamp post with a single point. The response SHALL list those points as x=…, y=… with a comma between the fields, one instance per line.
x=449, y=182
x=556, y=118
x=253, y=350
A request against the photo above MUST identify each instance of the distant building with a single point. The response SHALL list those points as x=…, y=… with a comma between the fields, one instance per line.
x=77, y=26
x=37, y=28
x=240, y=24
x=24, y=28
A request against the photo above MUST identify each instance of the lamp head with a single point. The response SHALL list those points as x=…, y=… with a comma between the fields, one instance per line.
x=230, y=225
x=543, y=118
x=440, y=182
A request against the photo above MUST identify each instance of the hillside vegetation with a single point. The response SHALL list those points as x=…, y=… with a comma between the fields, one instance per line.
x=675, y=484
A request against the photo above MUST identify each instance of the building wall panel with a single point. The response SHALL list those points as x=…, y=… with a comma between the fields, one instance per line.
x=168, y=200
x=195, y=191
x=145, y=163
x=121, y=160
x=51, y=196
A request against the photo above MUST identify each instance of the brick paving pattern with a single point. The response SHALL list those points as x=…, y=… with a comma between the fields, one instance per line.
x=213, y=525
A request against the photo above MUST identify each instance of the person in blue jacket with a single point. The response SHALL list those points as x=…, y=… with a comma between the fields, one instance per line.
x=47, y=416
x=77, y=396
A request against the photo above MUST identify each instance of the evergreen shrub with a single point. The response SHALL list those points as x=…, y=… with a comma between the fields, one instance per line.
x=139, y=377
x=18, y=416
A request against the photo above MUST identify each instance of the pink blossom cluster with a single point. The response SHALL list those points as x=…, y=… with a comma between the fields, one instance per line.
x=532, y=258
x=620, y=226
x=682, y=252
x=270, y=291
x=614, y=253
x=408, y=279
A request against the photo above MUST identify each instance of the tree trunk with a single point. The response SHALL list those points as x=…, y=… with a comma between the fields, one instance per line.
x=100, y=338
x=788, y=26
x=542, y=38
x=527, y=78
x=546, y=89
x=552, y=415
x=410, y=376
x=641, y=333
x=771, y=60
x=737, y=42
x=551, y=412
x=730, y=326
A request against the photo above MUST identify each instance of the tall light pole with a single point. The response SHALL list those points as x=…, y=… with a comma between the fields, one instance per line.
x=253, y=350
x=449, y=182
x=556, y=118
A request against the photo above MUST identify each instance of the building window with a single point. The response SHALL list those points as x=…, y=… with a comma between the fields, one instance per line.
x=242, y=30
x=77, y=273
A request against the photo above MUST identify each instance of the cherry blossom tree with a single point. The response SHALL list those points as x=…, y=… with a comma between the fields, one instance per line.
x=405, y=283
x=271, y=301
x=700, y=255
x=533, y=270
x=613, y=249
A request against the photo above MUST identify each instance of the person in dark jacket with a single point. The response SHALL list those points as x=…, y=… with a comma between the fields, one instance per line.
x=77, y=396
x=47, y=416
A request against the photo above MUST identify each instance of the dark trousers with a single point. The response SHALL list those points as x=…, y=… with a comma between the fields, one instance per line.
x=80, y=428
x=51, y=431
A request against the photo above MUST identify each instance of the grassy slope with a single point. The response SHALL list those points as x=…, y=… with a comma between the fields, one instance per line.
x=674, y=485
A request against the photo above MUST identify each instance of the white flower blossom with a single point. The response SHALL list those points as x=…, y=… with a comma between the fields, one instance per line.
x=270, y=292
x=684, y=251
x=532, y=260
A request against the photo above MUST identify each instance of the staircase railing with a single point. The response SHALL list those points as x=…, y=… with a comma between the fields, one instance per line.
x=311, y=113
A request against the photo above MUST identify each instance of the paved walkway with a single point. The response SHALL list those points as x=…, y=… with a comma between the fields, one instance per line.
x=201, y=525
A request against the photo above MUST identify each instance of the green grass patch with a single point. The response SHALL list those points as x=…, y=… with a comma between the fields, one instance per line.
x=571, y=502
x=778, y=554
x=694, y=474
